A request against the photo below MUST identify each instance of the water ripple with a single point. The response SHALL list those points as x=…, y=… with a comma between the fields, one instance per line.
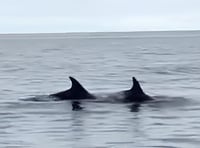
x=166, y=64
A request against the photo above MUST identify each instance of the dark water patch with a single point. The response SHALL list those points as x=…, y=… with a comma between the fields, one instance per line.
x=186, y=135
x=150, y=52
x=14, y=69
x=5, y=126
x=47, y=112
x=181, y=140
x=191, y=108
x=119, y=143
x=164, y=72
x=61, y=120
x=14, y=146
x=6, y=114
x=163, y=117
x=162, y=146
x=191, y=87
x=14, y=116
x=52, y=50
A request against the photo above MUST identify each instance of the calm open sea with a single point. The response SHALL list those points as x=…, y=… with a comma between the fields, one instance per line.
x=167, y=64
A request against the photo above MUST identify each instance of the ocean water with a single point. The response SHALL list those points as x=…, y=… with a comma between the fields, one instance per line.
x=167, y=64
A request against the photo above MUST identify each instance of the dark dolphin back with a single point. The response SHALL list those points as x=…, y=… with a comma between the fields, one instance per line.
x=136, y=94
x=77, y=91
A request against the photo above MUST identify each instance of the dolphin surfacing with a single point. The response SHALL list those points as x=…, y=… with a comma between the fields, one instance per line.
x=76, y=92
x=136, y=94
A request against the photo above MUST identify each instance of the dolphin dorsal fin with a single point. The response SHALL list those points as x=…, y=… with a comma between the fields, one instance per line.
x=76, y=86
x=136, y=88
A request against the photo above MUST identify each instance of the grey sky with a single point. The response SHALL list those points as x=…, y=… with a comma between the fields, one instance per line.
x=19, y=16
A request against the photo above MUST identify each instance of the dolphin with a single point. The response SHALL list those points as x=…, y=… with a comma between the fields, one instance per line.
x=76, y=92
x=136, y=94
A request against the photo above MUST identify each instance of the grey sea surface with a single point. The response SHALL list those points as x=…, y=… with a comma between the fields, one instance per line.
x=167, y=64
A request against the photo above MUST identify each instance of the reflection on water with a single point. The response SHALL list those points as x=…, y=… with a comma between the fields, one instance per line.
x=51, y=124
x=167, y=65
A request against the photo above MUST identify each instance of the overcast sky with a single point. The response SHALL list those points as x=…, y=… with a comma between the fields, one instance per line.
x=26, y=16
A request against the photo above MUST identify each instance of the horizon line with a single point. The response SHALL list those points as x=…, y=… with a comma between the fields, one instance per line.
x=76, y=32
